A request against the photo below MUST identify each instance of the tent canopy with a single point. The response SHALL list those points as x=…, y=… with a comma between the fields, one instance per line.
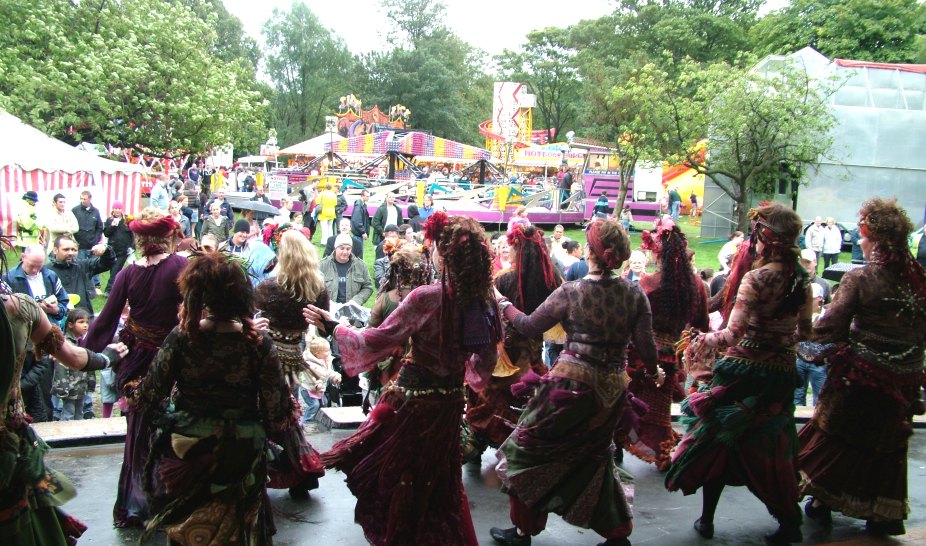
x=29, y=149
x=410, y=143
x=314, y=146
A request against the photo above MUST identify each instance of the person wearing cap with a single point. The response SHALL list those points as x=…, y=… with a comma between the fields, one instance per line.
x=60, y=222
x=120, y=239
x=809, y=261
x=388, y=214
x=346, y=276
x=390, y=233
x=27, y=226
x=344, y=226
x=238, y=242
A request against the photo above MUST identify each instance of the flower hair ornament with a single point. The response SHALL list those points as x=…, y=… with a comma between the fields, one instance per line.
x=435, y=225
x=653, y=241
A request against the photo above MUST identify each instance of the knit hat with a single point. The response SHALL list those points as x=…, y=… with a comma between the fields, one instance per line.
x=343, y=239
x=118, y=205
x=31, y=195
x=242, y=225
x=391, y=227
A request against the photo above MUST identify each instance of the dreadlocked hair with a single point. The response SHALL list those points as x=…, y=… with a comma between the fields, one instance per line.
x=409, y=266
x=536, y=277
x=467, y=262
x=778, y=228
x=675, y=276
x=216, y=282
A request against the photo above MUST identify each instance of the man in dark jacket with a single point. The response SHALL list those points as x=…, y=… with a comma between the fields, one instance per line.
x=90, y=229
x=75, y=272
x=387, y=214
x=360, y=217
x=344, y=226
x=32, y=277
x=121, y=240
x=259, y=195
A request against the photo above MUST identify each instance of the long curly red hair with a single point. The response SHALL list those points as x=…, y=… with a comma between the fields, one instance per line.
x=216, y=283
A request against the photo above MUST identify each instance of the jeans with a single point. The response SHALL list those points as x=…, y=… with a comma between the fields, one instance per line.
x=85, y=253
x=812, y=374
x=674, y=208
x=312, y=405
x=71, y=409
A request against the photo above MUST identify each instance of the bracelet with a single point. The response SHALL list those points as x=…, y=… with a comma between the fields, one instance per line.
x=504, y=304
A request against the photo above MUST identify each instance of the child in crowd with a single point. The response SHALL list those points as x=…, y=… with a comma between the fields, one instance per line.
x=319, y=370
x=70, y=386
x=811, y=374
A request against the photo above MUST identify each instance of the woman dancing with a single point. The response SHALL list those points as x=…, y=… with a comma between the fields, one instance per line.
x=403, y=465
x=678, y=300
x=853, y=452
x=740, y=425
x=526, y=284
x=30, y=492
x=149, y=286
x=297, y=283
x=219, y=392
x=560, y=456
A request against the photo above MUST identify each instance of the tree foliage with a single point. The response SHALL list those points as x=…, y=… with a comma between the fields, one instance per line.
x=546, y=64
x=115, y=72
x=869, y=30
x=310, y=69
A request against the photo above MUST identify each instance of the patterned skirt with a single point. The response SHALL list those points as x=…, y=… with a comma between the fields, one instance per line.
x=740, y=431
x=560, y=458
x=403, y=464
x=853, y=452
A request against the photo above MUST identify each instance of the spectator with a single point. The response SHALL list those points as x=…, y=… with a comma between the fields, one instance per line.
x=518, y=218
x=809, y=261
x=27, y=225
x=314, y=378
x=260, y=196
x=548, y=242
x=694, y=204
x=813, y=238
x=340, y=207
x=811, y=374
x=236, y=244
x=160, y=194
x=75, y=273
x=627, y=219
x=729, y=249
x=414, y=218
x=387, y=214
x=61, y=222
x=502, y=259
x=224, y=206
x=360, y=217
x=407, y=234
x=344, y=226
x=173, y=209
x=675, y=203
x=248, y=184
x=559, y=239
x=636, y=266
x=426, y=208
x=89, y=232
x=601, y=205
x=121, y=240
x=832, y=243
x=346, y=276
x=391, y=233
x=326, y=205
x=565, y=183
x=573, y=253
x=720, y=279
x=71, y=386
x=577, y=270
x=858, y=257
x=216, y=224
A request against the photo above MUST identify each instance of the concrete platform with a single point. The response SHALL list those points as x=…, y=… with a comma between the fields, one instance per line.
x=660, y=517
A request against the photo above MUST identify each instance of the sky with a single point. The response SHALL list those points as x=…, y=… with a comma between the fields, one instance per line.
x=492, y=25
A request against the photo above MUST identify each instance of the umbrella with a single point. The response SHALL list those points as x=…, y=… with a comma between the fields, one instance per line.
x=257, y=206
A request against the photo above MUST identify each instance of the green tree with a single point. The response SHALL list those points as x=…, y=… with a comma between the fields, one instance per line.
x=756, y=124
x=413, y=20
x=310, y=69
x=870, y=30
x=546, y=64
x=114, y=72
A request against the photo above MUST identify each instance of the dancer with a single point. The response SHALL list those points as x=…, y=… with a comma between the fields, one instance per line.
x=296, y=283
x=740, y=425
x=150, y=287
x=526, y=284
x=403, y=464
x=560, y=456
x=853, y=452
x=678, y=301
x=219, y=393
x=30, y=492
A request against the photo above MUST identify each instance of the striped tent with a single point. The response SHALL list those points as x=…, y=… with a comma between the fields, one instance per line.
x=30, y=160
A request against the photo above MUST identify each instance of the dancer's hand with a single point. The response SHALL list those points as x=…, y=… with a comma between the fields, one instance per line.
x=660, y=376
x=319, y=318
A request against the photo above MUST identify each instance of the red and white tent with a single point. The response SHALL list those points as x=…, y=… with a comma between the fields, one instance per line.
x=32, y=160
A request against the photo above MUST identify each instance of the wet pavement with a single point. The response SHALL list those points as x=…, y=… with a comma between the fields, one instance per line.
x=660, y=517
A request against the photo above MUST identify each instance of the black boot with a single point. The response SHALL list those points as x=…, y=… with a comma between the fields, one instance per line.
x=892, y=527
x=509, y=536
x=704, y=528
x=788, y=532
x=623, y=541
x=821, y=513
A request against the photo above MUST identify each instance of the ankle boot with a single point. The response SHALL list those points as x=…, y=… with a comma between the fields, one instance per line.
x=704, y=528
x=788, y=532
x=509, y=536
x=821, y=513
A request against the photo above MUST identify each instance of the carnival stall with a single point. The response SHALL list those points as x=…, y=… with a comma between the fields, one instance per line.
x=30, y=160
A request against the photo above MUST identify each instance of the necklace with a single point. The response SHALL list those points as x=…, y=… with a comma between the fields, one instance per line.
x=598, y=272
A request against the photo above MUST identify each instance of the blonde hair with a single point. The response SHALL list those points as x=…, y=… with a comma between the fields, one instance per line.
x=297, y=268
x=317, y=344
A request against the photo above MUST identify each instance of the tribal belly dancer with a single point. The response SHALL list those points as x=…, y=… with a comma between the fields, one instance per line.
x=526, y=284
x=403, y=464
x=853, y=452
x=149, y=286
x=678, y=300
x=30, y=492
x=740, y=425
x=560, y=457
x=296, y=283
